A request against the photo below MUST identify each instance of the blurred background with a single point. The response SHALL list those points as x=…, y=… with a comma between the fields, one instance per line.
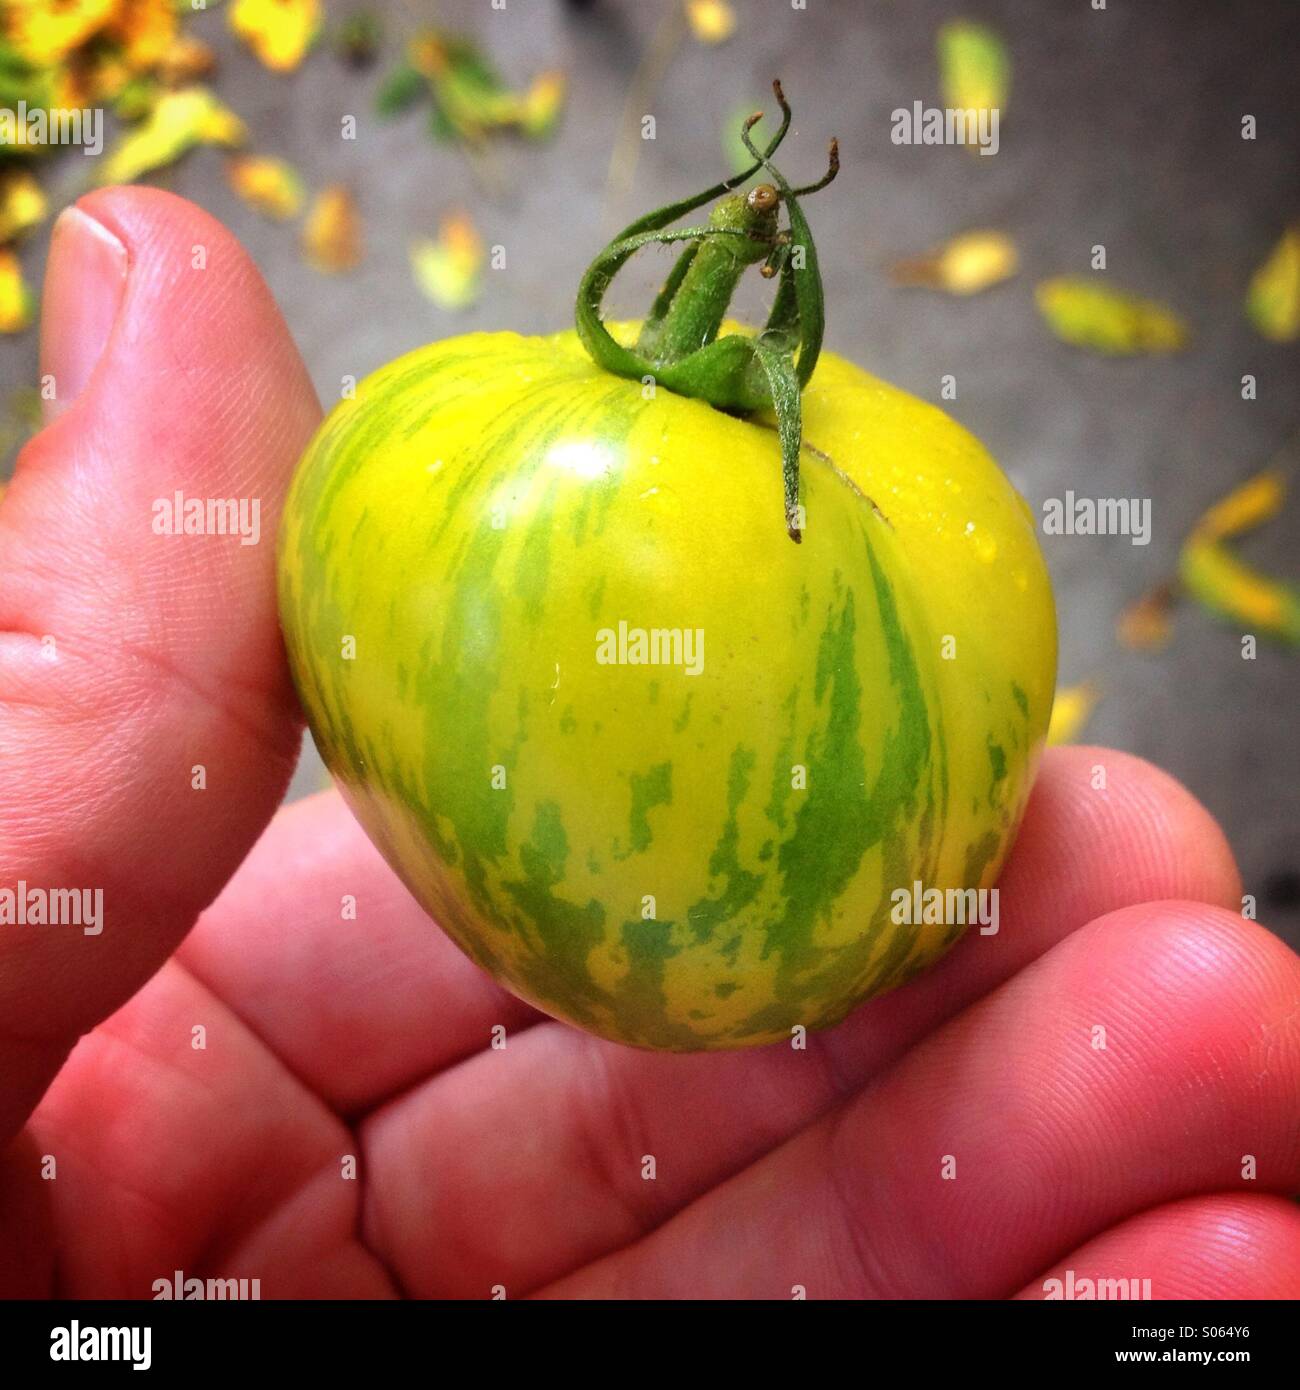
x=408, y=171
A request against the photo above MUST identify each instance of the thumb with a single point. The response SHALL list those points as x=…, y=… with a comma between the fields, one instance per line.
x=147, y=722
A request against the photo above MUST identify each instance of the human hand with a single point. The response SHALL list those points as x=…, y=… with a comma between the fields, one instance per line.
x=129, y=659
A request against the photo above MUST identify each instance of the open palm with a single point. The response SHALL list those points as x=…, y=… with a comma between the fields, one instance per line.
x=310, y=1095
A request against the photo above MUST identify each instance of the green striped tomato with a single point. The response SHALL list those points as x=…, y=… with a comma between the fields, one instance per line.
x=697, y=848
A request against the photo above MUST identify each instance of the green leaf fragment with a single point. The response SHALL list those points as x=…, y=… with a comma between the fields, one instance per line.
x=401, y=89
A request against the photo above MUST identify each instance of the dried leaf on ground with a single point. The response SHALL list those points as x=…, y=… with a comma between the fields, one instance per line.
x=1111, y=322
x=470, y=100
x=270, y=185
x=1250, y=504
x=1231, y=589
x=967, y=264
x=974, y=67
x=332, y=234
x=1147, y=623
x=1225, y=585
x=711, y=21
x=450, y=269
x=1273, y=300
x=178, y=122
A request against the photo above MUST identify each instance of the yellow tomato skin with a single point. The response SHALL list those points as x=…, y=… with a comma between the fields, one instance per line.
x=708, y=850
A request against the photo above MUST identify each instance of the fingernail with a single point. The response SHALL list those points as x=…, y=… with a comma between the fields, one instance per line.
x=84, y=282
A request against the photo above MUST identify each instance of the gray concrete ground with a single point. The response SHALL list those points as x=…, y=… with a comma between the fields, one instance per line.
x=1123, y=129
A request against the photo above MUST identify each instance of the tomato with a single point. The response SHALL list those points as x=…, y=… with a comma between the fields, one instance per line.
x=672, y=857
x=660, y=770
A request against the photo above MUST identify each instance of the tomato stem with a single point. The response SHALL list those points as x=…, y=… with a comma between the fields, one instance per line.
x=679, y=346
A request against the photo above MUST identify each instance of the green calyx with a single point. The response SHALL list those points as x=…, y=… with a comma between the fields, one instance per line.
x=679, y=346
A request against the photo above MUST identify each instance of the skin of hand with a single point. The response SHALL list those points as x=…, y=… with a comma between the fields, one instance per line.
x=965, y=1136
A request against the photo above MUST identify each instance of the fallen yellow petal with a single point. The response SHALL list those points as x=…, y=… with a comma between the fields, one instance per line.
x=22, y=203
x=711, y=21
x=16, y=300
x=1273, y=300
x=178, y=122
x=1111, y=322
x=278, y=31
x=449, y=270
x=269, y=185
x=331, y=236
x=1071, y=711
x=967, y=264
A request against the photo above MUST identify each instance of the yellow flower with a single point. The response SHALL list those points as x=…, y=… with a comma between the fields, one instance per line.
x=145, y=29
x=279, y=31
x=46, y=31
